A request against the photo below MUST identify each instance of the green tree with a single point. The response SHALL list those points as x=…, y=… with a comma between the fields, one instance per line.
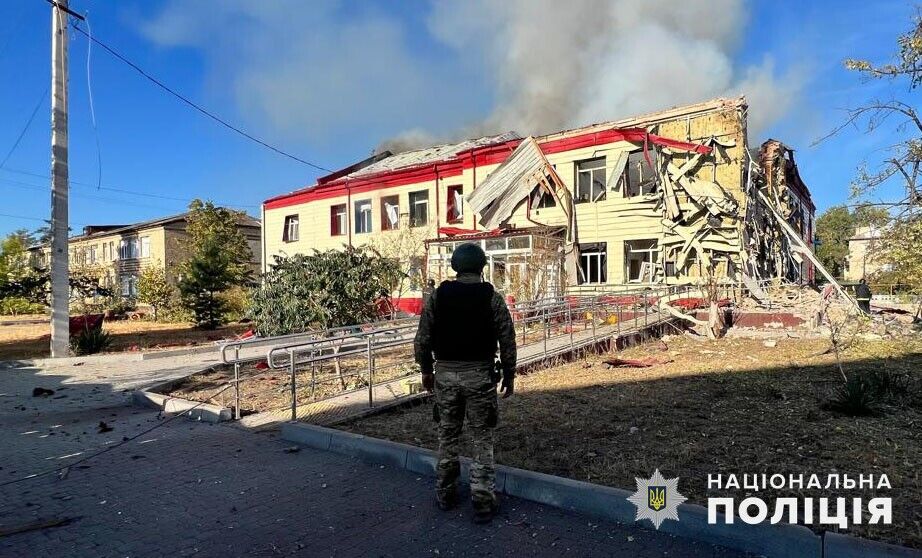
x=208, y=274
x=322, y=290
x=16, y=273
x=871, y=216
x=154, y=288
x=902, y=248
x=14, y=255
x=833, y=229
x=207, y=223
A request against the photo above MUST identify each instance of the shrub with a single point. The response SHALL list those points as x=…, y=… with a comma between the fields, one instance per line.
x=117, y=306
x=857, y=397
x=154, y=289
x=322, y=290
x=16, y=306
x=237, y=303
x=90, y=341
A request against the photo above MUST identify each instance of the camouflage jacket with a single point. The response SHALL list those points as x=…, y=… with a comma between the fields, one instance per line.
x=502, y=323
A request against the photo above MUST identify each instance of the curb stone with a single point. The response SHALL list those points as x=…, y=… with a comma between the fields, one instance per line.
x=195, y=410
x=778, y=540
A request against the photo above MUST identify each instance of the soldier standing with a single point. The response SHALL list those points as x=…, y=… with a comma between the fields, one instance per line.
x=461, y=323
x=863, y=294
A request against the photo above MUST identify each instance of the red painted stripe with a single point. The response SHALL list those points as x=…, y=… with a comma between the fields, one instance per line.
x=488, y=155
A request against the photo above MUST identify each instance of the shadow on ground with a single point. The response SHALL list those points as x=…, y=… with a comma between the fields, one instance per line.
x=610, y=426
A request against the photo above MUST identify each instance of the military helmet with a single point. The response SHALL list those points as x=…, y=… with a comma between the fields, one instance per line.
x=468, y=258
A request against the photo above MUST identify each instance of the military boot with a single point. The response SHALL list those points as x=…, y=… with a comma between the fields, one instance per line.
x=484, y=511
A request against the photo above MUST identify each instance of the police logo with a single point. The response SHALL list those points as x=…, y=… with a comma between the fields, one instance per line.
x=657, y=499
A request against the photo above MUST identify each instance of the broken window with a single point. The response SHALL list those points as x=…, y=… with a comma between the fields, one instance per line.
x=363, y=216
x=640, y=260
x=638, y=177
x=419, y=208
x=338, y=220
x=593, y=263
x=390, y=213
x=590, y=180
x=290, y=230
x=455, y=204
x=541, y=198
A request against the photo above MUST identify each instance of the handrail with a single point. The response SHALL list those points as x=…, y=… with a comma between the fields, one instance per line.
x=256, y=341
x=320, y=344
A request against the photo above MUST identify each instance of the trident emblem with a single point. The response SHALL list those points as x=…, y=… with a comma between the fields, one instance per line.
x=656, y=497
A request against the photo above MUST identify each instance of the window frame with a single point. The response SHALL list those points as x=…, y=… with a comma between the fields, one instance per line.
x=339, y=211
x=414, y=219
x=591, y=173
x=636, y=160
x=652, y=258
x=142, y=242
x=386, y=224
x=596, y=252
x=359, y=209
x=129, y=286
x=451, y=205
x=291, y=228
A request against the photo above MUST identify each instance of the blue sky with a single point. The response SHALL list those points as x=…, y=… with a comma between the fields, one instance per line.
x=329, y=81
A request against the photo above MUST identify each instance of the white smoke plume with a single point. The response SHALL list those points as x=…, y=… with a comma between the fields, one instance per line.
x=532, y=66
x=558, y=65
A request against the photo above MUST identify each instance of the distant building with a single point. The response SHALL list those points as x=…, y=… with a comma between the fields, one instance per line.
x=662, y=198
x=862, y=260
x=117, y=253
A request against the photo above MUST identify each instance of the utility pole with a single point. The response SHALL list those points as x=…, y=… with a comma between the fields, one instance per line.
x=60, y=284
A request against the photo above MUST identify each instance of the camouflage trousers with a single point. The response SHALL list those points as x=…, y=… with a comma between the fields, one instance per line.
x=467, y=393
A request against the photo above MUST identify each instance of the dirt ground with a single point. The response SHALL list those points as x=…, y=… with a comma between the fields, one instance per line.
x=32, y=340
x=267, y=390
x=719, y=407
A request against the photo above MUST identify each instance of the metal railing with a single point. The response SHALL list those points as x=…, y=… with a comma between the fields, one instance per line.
x=248, y=350
x=544, y=328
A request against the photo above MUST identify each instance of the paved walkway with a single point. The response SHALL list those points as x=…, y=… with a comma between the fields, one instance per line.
x=190, y=488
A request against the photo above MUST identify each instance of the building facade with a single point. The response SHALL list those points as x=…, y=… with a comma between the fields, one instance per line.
x=861, y=262
x=116, y=254
x=663, y=198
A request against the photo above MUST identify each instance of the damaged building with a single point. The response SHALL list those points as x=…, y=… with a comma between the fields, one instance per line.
x=673, y=197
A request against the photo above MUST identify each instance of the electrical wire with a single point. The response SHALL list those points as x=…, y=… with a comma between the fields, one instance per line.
x=89, y=92
x=121, y=190
x=11, y=216
x=113, y=446
x=39, y=188
x=194, y=105
x=25, y=128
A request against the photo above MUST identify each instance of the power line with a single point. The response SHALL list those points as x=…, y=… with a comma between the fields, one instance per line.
x=25, y=128
x=89, y=94
x=39, y=188
x=194, y=105
x=122, y=190
x=22, y=217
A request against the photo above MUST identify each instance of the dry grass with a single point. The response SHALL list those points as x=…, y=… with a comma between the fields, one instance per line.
x=31, y=340
x=725, y=406
x=267, y=390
